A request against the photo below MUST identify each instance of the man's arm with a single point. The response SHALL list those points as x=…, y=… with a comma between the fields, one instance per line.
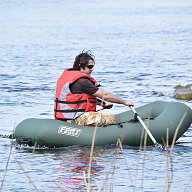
x=107, y=96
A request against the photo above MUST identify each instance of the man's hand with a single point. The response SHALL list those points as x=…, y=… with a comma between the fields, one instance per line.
x=129, y=103
x=107, y=105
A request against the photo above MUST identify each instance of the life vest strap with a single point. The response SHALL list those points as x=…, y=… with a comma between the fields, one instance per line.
x=69, y=110
x=92, y=101
x=70, y=102
x=75, y=102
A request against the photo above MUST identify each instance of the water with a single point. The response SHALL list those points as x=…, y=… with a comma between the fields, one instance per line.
x=142, y=49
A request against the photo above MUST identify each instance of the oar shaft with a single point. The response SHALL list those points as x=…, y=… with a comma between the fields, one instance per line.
x=144, y=126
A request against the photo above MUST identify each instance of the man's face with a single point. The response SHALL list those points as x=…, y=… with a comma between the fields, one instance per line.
x=89, y=68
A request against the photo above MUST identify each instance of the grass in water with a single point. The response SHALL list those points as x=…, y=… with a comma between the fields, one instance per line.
x=169, y=162
x=9, y=156
x=110, y=176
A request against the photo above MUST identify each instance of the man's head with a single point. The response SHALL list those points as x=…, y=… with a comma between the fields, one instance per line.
x=84, y=62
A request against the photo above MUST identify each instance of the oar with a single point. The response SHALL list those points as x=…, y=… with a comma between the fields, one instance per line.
x=100, y=109
x=145, y=127
x=108, y=107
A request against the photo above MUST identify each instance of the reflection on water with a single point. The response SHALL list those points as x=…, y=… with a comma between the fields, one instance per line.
x=75, y=167
x=64, y=169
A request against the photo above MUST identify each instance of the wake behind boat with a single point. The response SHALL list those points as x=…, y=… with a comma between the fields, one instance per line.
x=163, y=119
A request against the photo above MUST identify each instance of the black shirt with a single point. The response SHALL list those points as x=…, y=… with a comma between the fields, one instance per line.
x=83, y=85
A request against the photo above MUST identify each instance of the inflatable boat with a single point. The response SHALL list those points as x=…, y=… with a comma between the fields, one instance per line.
x=163, y=119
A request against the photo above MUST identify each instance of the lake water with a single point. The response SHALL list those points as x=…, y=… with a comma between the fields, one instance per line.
x=142, y=48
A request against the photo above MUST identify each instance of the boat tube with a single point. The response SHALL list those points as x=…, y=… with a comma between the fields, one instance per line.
x=163, y=119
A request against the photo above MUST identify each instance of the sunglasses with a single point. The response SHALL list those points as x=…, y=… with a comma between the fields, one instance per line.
x=90, y=66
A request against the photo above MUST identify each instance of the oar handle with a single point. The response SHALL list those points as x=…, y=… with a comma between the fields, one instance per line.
x=133, y=109
x=143, y=124
x=105, y=107
x=100, y=109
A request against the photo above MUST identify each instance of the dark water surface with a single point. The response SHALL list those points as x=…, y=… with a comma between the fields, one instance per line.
x=143, y=48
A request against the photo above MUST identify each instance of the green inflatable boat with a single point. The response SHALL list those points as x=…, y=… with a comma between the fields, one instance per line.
x=160, y=117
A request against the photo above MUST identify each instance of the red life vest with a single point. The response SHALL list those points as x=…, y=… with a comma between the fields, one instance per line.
x=68, y=105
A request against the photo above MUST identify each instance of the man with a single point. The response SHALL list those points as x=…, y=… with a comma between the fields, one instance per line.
x=77, y=95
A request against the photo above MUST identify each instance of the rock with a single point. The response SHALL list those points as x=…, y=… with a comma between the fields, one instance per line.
x=161, y=95
x=183, y=92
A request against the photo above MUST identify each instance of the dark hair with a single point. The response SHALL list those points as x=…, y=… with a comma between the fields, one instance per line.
x=81, y=60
